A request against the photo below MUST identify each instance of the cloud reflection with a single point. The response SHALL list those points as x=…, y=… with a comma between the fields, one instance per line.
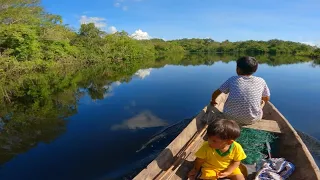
x=109, y=89
x=117, y=83
x=142, y=73
x=143, y=120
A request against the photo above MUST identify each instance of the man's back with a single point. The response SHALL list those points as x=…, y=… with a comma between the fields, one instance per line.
x=244, y=100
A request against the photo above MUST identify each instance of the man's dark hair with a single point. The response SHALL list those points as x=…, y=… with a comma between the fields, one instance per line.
x=248, y=65
x=224, y=129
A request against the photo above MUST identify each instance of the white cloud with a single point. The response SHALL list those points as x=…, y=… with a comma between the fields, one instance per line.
x=142, y=73
x=112, y=29
x=312, y=43
x=119, y=4
x=98, y=21
x=140, y=35
x=123, y=4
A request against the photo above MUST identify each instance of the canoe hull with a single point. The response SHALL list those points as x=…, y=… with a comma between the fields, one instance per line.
x=177, y=158
x=292, y=147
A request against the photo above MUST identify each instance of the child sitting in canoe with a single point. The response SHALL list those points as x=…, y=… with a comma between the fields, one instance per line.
x=220, y=156
x=246, y=92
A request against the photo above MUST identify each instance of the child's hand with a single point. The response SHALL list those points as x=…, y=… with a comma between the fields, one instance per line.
x=223, y=174
x=192, y=174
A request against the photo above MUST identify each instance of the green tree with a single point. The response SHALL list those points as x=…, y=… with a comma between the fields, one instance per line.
x=20, y=41
x=20, y=12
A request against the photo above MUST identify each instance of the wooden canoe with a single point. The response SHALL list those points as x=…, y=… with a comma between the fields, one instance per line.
x=175, y=161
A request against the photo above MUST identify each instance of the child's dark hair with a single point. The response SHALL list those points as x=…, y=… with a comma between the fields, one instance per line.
x=247, y=64
x=224, y=129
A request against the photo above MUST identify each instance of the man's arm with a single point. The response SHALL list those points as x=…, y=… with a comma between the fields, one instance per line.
x=266, y=93
x=215, y=94
x=229, y=170
x=266, y=99
x=224, y=88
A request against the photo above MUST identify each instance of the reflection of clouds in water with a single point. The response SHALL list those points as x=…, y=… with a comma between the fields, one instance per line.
x=107, y=94
x=143, y=120
x=117, y=83
x=142, y=73
x=109, y=89
x=133, y=103
x=131, y=106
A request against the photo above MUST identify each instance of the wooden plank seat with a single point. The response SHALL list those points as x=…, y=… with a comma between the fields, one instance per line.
x=265, y=125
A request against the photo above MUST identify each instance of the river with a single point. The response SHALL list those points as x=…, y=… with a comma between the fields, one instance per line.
x=107, y=137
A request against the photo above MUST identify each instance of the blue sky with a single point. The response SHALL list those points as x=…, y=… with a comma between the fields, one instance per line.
x=235, y=20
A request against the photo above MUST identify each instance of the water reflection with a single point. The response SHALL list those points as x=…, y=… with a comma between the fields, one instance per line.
x=142, y=73
x=108, y=89
x=27, y=125
x=45, y=102
x=143, y=120
x=117, y=83
x=316, y=63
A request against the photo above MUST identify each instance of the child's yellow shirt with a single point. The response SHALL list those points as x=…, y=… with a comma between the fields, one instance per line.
x=215, y=161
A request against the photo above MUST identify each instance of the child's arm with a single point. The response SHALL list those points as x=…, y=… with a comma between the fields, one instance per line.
x=197, y=165
x=214, y=96
x=229, y=170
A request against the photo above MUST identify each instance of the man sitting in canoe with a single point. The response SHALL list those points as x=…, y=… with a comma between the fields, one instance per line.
x=246, y=92
x=221, y=155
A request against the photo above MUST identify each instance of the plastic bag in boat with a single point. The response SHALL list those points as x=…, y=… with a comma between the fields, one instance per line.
x=274, y=168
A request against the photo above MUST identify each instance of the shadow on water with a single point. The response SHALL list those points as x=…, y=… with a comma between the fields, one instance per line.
x=168, y=132
x=153, y=148
x=313, y=145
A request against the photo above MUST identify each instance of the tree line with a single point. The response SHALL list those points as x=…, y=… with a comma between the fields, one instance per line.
x=29, y=33
x=33, y=42
x=273, y=46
